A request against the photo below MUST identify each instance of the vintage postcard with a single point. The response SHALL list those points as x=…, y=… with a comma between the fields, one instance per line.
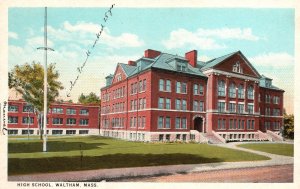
x=157, y=94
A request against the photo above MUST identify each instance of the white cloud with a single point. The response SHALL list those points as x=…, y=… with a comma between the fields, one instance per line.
x=228, y=33
x=85, y=34
x=182, y=37
x=205, y=39
x=13, y=35
x=276, y=60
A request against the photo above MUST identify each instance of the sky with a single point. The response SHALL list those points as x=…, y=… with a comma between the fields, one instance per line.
x=264, y=36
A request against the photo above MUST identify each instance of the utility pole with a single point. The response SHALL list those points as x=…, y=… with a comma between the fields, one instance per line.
x=45, y=48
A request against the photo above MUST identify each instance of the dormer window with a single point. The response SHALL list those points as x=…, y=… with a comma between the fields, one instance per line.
x=268, y=83
x=181, y=66
x=237, y=67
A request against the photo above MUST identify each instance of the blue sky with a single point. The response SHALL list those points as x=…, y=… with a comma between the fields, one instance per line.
x=265, y=37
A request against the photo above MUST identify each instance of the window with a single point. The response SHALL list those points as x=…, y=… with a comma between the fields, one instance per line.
x=268, y=98
x=144, y=85
x=221, y=124
x=119, y=77
x=143, y=105
x=184, y=105
x=12, y=119
x=57, y=121
x=276, y=112
x=231, y=124
x=221, y=88
x=83, y=121
x=276, y=125
x=161, y=85
x=161, y=137
x=57, y=132
x=70, y=132
x=240, y=108
x=168, y=122
x=241, y=92
x=12, y=132
x=250, y=124
x=141, y=86
x=221, y=106
x=181, y=66
x=71, y=121
x=201, y=106
x=178, y=87
x=183, y=87
x=27, y=108
x=268, y=111
x=177, y=122
x=83, y=132
x=250, y=108
x=168, y=85
x=168, y=103
x=13, y=108
x=57, y=110
x=161, y=103
x=195, y=106
x=178, y=107
x=84, y=112
x=232, y=107
x=232, y=90
x=250, y=92
x=180, y=123
x=160, y=122
x=195, y=89
x=198, y=89
x=26, y=120
x=143, y=122
x=276, y=100
x=240, y=124
x=237, y=68
x=201, y=89
x=183, y=123
x=71, y=111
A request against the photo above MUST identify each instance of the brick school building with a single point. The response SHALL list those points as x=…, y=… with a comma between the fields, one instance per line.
x=167, y=97
x=63, y=119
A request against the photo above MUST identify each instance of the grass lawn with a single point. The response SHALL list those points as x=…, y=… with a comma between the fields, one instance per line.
x=64, y=154
x=280, y=149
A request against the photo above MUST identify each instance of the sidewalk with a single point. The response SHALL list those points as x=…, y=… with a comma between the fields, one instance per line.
x=103, y=174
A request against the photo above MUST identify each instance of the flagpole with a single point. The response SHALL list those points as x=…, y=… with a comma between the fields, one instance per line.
x=45, y=48
x=45, y=85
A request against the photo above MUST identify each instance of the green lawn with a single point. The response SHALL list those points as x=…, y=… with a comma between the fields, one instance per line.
x=64, y=154
x=280, y=149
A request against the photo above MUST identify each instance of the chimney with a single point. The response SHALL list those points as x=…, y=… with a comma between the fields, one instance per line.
x=131, y=63
x=149, y=53
x=192, y=57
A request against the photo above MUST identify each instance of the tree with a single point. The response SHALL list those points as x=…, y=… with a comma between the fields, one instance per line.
x=288, y=130
x=28, y=80
x=92, y=98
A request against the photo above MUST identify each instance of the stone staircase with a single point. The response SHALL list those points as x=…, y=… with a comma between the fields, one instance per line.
x=274, y=136
x=213, y=139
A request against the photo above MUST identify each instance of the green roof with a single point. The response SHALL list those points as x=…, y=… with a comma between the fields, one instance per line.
x=216, y=61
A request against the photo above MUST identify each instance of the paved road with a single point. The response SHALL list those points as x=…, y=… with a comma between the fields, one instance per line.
x=270, y=174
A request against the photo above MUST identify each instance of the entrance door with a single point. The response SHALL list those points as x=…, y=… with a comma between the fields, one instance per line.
x=198, y=124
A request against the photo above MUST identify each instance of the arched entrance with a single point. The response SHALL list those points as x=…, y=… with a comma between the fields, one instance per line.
x=199, y=123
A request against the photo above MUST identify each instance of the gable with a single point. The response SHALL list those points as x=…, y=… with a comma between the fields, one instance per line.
x=119, y=74
x=238, y=64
